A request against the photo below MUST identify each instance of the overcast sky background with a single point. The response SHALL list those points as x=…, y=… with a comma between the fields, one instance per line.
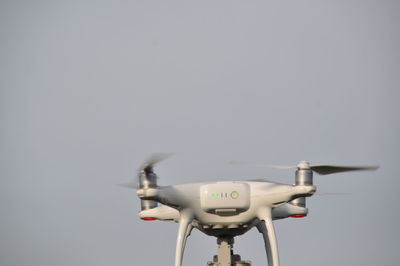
x=89, y=89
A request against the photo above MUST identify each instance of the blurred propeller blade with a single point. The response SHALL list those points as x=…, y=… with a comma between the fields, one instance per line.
x=131, y=185
x=331, y=169
x=331, y=194
x=147, y=166
x=320, y=169
x=250, y=164
x=153, y=160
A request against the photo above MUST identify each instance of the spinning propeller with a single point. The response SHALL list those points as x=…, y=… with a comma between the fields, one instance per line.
x=324, y=169
x=304, y=174
x=150, y=162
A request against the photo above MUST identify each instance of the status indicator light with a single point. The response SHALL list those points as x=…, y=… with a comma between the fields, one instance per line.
x=234, y=194
x=298, y=216
x=148, y=219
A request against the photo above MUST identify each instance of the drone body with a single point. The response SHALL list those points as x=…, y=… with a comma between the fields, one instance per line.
x=229, y=208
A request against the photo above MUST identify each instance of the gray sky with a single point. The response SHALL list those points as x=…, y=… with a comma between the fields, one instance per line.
x=91, y=88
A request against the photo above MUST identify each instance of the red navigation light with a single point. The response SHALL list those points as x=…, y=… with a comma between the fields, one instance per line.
x=298, y=216
x=148, y=219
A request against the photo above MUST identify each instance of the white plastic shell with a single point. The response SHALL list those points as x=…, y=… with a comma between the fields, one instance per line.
x=225, y=198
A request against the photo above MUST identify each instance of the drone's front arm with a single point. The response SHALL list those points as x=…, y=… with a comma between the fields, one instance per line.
x=266, y=227
x=167, y=195
x=185, y=228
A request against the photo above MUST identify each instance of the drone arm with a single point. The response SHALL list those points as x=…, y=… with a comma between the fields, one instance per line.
x=266, y=227
x=185, y=228
x=187, y=234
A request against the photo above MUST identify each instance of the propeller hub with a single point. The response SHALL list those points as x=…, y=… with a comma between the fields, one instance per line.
x=303, y=165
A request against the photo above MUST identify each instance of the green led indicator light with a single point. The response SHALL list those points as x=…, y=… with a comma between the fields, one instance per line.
x=215, y=195
x=234, y=195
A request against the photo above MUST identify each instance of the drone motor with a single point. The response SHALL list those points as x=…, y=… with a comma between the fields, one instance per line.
x=304, y=177
x=147, y=179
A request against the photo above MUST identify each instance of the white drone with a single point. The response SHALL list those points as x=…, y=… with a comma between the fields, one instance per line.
x=229, y=208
